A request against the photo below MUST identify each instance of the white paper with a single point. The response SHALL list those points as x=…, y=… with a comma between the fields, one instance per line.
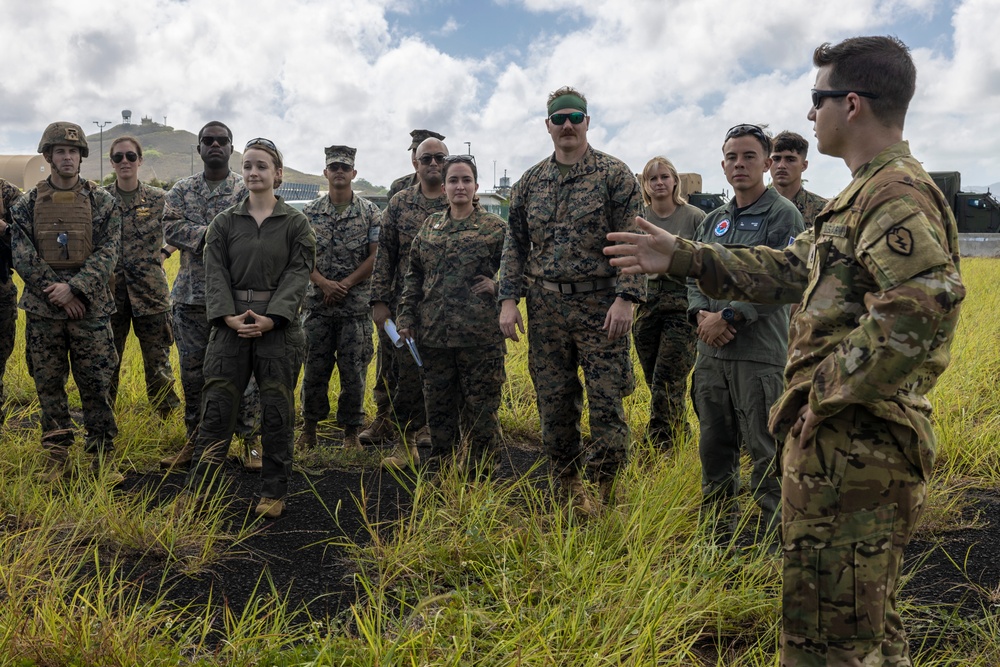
x=397, y=340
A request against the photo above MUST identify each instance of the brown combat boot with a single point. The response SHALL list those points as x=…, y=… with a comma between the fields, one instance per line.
x=54, y=466
x=253, y=461
x=307, y=439
x=423, y=437
x=378, y=432
x=580, y=503
x=180, y=459
x=270, y=508
x=351, y=441
x=402, y=458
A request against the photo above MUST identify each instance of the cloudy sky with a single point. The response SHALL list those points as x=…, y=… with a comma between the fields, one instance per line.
x=662, y=76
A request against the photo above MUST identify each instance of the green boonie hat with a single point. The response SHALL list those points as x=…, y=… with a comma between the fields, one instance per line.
x=419, y=136
x=64, y=133
x=342, y=154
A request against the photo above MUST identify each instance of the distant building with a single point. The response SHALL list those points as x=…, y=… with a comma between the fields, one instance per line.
x=495, y=203
x=23, y=171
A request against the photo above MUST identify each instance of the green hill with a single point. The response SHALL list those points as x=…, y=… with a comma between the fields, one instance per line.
x=169, y=155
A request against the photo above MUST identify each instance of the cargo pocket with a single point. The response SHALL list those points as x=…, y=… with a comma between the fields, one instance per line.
x=835, y=575
x=220, y=355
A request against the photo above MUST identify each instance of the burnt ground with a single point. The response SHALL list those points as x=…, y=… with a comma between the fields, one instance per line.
x=302, y=552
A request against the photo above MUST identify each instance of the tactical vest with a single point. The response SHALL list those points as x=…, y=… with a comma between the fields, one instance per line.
x=64, y=229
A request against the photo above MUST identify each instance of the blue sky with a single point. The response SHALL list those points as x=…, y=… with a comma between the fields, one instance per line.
x=662, y=76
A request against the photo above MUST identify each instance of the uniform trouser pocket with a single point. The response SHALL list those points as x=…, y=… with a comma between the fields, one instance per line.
x=835, y=583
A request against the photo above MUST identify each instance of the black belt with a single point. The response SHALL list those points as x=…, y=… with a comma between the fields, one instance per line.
x=249, y=295
x=580, y=288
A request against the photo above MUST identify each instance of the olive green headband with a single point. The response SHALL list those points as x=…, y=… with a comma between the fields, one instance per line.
x=568, y=101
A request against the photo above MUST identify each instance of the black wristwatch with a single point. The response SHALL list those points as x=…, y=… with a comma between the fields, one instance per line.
x=729, y=315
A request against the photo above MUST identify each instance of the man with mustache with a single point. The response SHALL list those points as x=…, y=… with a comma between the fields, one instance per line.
x=788, y=161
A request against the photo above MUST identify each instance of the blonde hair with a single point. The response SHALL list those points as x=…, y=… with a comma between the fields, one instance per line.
x=644, y=180
x=275, y=159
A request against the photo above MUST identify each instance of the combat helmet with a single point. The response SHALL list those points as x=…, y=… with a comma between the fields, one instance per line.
x=64, y=134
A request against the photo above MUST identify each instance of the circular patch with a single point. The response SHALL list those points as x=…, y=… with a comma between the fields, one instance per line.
x=722, y=227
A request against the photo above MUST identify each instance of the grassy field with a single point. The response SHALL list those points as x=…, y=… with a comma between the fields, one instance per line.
x=486, y=574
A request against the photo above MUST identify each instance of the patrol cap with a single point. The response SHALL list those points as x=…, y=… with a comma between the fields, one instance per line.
x=342, y=154
x=63, y=133
x=418, y=137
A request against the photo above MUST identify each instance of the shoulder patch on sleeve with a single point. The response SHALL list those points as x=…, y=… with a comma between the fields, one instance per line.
x=899, y=242
x=899, y=239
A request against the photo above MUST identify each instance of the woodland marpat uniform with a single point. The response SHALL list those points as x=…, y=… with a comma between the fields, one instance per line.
x=809, y=205
x=879, y=293
x=8, y=290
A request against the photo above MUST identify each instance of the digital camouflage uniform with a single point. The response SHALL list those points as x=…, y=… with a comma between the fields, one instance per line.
x=664, y=339
x=8, y=290
x=339, y=334
x=457, y=331
x=191, y=206
x=809, y=205
x=56, y=343
x=400, y=184
x=556, y=232
x=142, y=298
x=734, y=386
x=408, y=181
x=880, y=291
x=398, y=382
x=273, y=260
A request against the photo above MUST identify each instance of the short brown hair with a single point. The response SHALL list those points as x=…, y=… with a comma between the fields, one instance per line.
x=565, y=90
x=880, y=66
x=275, y=158
x=790, y=141
x=644, y=180
x=126, y=137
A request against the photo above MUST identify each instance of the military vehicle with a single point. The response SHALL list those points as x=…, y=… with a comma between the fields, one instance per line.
x=691, y=190
x=975, y=212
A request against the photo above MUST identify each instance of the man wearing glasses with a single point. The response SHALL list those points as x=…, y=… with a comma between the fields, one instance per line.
x=416, y=138
x=741, y=345
x=142, y=298
x=191, y=205
x=579, y=308
x=65, y=243
x=879, y=289
x=338, y=329
x=401, y=221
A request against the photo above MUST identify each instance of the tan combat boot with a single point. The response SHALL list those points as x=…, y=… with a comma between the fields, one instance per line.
x=351, y=441
x=253, y=461
x=270, y=508
x=307, y=439
x=579, y=500
x=423, y=437
x=54, y=466
x=181, y=458
x=402, y=457
x=380, y=430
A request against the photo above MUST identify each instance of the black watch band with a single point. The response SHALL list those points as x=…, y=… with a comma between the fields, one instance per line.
x=728, y=314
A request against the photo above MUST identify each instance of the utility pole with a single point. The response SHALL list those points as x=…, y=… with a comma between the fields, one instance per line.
x=494, y=175
x=101, y=160
x=468, y=148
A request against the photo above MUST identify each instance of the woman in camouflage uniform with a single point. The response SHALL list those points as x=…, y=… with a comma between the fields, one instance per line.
x=448, y=305
x=258, y=257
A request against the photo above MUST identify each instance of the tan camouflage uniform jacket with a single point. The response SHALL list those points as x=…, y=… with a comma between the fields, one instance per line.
x=91, y=282
x=139, y=267
x=809, y=205
x=880, y=291
x=190, y=208
x=341, y=247
x=446, y=257
x=557, y=225
x=401, y=220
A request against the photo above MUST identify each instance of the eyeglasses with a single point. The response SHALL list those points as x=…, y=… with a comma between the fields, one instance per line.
x=745, y=129
x=468, y=159
x=819, y=95
x=436, y=157
x=208, y=141
x=339, y=166
x=131, y=156
x=261, y=141
x=575, y=117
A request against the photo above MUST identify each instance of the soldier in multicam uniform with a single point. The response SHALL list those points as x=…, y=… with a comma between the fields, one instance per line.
x=579, y=308
x=788, y=161
x=191, y=206
x=8, y=290
x=258, y=257
x=878, y=280
x=448, y=306
x=338, y=329
x=741, y=345
x=65, y=243
x=142, y=297
x=401, y=220
x=664, y=339
x=417, y=137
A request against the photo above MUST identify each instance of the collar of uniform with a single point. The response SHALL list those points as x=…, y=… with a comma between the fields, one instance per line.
x=330, y=208
x=585, y=165
x=470, y=222
x=845, y=199
x=225, y=188
x=280, y=208
x=760, y=206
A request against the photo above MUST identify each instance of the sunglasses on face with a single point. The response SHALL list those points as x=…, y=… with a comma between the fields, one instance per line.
x=261, y=141
x=338, y=166
x=560, y=118
x=436, y=157
x=131, y=156
x=468, y=159
x=208, y=141
x=819, y=95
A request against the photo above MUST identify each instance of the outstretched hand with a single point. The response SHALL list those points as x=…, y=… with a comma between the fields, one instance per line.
x=642, y=253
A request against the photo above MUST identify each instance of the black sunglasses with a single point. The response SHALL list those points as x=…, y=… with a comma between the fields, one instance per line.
x=338, y=166
x=131, y=156
x=560, y=118
x=261, y=141
x=468, y=159
x=819, y=95
x=436, y=157
x=744, y=129
x=208, y=141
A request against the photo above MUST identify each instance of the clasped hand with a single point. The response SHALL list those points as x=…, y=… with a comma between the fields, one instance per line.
x=250, y=324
